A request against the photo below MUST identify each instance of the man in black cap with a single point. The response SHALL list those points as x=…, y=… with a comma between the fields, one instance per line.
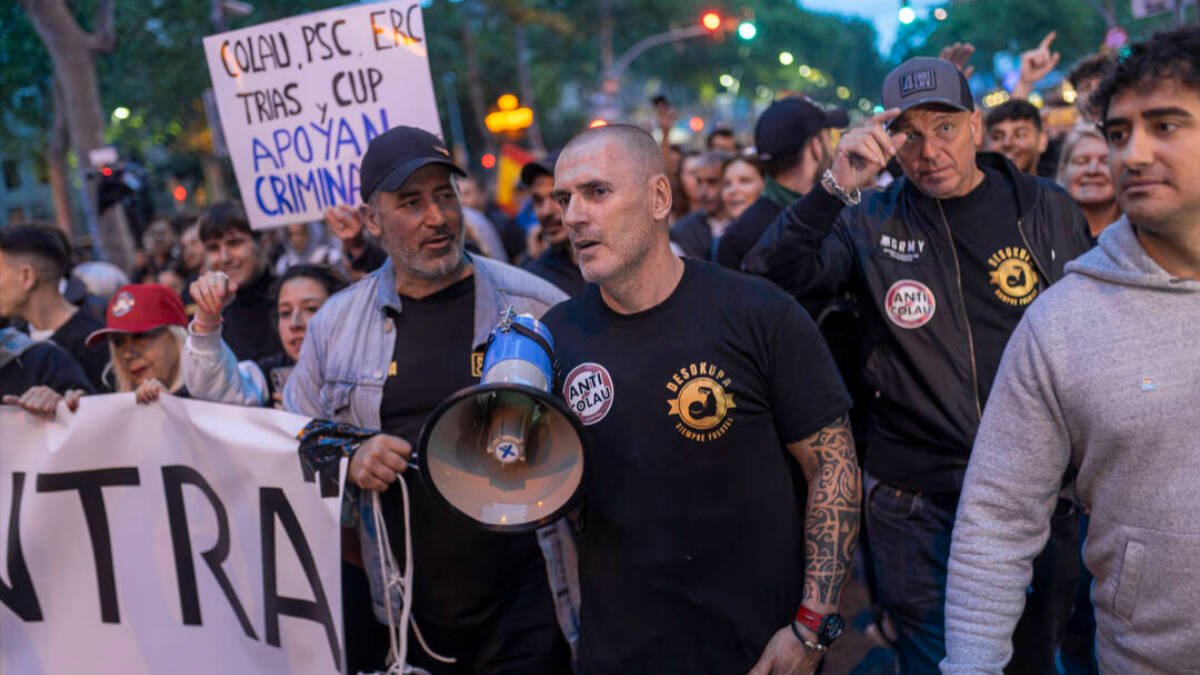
x=556, y=263
x=381, y=355
x=795, y=147
x=943, y=262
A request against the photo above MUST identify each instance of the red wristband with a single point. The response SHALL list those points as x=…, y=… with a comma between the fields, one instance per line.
x=809, y=619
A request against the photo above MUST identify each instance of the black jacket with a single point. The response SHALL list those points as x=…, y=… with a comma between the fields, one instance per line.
x=693, y=235
x=744, y=231
x=249, y=328
x=925, y=405
x=555, y=265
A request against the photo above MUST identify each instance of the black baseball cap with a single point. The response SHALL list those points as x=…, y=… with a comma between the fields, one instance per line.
x=924, y=80
x=788, y=123
x=539, y=167
x=393, y=157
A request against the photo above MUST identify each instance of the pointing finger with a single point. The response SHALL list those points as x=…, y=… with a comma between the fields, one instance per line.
x=1045, y=44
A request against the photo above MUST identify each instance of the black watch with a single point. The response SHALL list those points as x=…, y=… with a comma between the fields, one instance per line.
x=828, y=627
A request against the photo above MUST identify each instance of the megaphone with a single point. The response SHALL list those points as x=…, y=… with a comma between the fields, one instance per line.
x=506, y=453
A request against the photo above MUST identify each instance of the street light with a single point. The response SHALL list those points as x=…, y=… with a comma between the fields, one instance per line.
x=747, y=30
x=940, y=14
x=907, y=14
x=786, y=58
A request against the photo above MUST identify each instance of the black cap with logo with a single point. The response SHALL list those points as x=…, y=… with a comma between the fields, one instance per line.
x=788, y=124
x=924, y=81
x=393, y=157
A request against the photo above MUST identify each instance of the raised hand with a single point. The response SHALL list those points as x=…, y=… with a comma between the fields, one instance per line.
x=865, y=150
x=1035, y=65
x=211, y=292
x=959, y=54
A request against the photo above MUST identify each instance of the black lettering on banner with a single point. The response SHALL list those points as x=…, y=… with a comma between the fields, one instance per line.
x=21, y=597
x=360, y=86
x=90, y=485
x=314, y=35
x=174, y=478
x=395, y=33
x=273, y=504
x=337, y=41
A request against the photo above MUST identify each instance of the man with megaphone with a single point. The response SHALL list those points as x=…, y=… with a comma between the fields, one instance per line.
x=383, y=354
x=706, y=394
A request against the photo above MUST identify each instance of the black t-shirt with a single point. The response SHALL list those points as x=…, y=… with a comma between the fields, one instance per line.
x=999, y=278
x=72, y=336
x=249, y=321
x=462, y=572
x=692, y=539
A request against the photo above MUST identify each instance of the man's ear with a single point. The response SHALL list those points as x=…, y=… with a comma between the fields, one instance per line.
x=27, y=275
x=977, y=127
x=660, y=197
x=1043, y=141
x=370, y=219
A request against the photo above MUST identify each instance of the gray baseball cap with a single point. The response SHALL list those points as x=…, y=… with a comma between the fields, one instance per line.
x=924, y=81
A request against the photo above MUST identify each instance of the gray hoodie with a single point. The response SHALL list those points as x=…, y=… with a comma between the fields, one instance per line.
x=1102, y=377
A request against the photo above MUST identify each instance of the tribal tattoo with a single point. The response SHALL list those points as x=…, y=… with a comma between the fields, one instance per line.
x=830, y=465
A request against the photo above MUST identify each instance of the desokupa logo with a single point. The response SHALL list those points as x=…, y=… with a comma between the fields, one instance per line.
x=702, y=402
x=1013, y=276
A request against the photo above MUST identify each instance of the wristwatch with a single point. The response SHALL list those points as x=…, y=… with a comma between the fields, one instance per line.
x=828, y=627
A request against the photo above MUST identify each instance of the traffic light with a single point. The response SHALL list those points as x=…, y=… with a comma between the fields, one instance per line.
x=711, y=21
x=747, y=30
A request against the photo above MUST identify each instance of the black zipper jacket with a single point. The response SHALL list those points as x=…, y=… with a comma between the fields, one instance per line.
x=925, y=406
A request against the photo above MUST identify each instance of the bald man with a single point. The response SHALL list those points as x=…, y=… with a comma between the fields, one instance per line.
x=722, y=490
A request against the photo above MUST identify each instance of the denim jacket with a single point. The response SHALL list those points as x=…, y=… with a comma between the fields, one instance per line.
x=341, y=374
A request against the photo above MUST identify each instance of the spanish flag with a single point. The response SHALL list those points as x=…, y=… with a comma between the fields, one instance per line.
x=508, y=174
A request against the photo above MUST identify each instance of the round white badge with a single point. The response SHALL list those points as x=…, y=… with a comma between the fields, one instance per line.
x=122, y=304
x=588, y=390
x=909, y=304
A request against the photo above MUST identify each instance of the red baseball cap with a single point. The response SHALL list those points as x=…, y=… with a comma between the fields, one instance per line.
x=137, y=308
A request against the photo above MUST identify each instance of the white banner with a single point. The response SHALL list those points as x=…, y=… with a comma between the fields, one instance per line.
x=175, y=537
x=299, y=100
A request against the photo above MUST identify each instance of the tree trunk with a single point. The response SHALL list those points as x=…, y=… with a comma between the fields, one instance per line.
x=475, y=82
x=525, y=81
x=56, y=166
x=73, y=53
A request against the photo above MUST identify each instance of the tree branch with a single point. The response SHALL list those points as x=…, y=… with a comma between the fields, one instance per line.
x=103, y=38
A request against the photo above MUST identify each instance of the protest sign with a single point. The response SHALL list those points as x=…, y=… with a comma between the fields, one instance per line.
x=175, y=537
x=300, y=98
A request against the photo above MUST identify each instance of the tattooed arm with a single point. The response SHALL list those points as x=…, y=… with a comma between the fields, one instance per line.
x=830, y=466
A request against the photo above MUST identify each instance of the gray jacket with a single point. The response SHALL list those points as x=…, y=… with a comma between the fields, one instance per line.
x=343, y=366
x=1102, y=378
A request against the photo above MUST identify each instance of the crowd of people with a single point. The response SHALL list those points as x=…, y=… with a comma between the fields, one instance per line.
x=969, y=333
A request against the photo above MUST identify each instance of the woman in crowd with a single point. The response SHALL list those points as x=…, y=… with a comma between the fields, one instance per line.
x=146, y=329
x=1083, y=171
x=210, y=369
x=742, y=182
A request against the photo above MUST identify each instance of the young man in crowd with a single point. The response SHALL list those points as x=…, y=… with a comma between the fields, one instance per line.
x=233, y=248
x=34, y=259
x=794, y=144
x=722, y=140
x=943, y=262
x=557, y=263
x=1014, y=129
x=383, y=354
x=685, y=569
x=1117, y=414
